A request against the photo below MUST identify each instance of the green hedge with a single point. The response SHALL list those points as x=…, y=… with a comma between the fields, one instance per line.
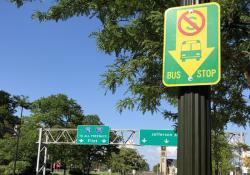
x=21, y=167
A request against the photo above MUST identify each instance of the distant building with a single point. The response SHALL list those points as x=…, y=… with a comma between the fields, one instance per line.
x=168, y=161
x=234, y=138
x=245, y=161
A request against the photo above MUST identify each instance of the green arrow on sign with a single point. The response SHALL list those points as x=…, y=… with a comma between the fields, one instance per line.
x=158, y=137
x=92, y=135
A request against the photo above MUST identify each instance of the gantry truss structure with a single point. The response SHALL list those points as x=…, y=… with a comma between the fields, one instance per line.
x=66, y=136
x=235, y=138
x=122, y=137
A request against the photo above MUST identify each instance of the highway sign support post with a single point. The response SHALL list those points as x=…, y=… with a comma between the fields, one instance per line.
x=194, y=131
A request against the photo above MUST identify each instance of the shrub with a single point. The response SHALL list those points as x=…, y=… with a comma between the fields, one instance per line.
x=21, y=167
x=75, y=171
x=2, y=169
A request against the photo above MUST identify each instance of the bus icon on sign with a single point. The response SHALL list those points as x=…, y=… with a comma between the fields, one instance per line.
x=190, y=50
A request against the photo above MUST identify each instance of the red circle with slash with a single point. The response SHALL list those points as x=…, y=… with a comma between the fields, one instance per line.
x=197, y=29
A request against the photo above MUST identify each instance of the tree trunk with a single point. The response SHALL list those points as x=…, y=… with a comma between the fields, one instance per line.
x=88, y=164
x=216, y=168
x=64, y=169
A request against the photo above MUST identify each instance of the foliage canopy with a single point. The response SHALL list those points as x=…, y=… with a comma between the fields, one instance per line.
x=53, y=111
x=222, y=154
x=127, y=160
x=133, y=31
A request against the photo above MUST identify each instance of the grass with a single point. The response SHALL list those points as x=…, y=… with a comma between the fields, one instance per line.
x=92, y=173
x=103, y=173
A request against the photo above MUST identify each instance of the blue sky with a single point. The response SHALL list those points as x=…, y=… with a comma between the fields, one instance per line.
x=40, y=59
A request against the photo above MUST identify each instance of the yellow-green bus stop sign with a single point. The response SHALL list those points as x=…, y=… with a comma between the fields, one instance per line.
x=192, y=45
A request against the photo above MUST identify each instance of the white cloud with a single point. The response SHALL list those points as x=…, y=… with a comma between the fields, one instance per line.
x=172, y=152
x=151, y=154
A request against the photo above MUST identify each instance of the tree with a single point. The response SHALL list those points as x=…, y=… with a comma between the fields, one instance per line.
x=7, y=114
x=247, y=72
x=127, y=160
x=88, y=155
x=57, y=110
x=60, y=111
x=133, y=31
x=22, y=167
x=222, y=154
x=22, y=101
x=9, y=127
x=27, y=153
x=52, y=111
x=246, y=161
x=156, y=168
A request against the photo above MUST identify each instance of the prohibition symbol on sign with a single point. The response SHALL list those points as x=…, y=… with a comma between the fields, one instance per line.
x=191, y=55
x=193, y=28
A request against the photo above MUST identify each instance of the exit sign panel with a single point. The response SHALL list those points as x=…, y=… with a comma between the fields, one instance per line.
x=92, y=135
x=158, y=137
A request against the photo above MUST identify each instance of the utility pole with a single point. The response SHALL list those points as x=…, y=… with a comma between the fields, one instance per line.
x=194, y=130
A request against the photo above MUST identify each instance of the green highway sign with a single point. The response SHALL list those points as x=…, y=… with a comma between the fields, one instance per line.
x=158, y=137
x=92, y=135
x=192, y=45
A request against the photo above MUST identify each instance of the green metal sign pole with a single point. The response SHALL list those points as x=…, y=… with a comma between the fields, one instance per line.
x=194, y=131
